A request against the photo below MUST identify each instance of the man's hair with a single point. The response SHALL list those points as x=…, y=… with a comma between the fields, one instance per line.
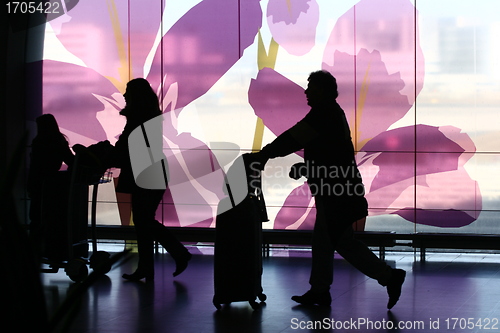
x=326, y=80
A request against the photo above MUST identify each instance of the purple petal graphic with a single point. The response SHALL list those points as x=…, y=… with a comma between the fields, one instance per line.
x=293, y=24
x=389, y=27
x=448, y=218
x=435, y=153
x=446, y=200
x=370, y=97
x=68, y=94
x=287, y=11
x=298, y=211
x=203, y=45
x=280, y=102
x=446, y=196
x=101, y=33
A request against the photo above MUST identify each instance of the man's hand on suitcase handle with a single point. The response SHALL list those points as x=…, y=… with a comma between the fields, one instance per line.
x=257, y=160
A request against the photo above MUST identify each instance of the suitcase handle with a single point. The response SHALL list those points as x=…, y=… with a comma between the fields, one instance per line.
x=254, y=181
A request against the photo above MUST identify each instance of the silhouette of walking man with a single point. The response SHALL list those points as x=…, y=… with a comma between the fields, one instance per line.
x=336, y=184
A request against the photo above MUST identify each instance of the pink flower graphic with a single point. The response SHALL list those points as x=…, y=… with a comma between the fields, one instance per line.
x=379, y=76
x=293, y=24
x=114, y=41
x=416, y=172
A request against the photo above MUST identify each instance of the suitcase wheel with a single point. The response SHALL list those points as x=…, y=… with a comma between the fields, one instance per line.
x=100, y=262
x=77, y=269
x=262, y=297
x=254, y=305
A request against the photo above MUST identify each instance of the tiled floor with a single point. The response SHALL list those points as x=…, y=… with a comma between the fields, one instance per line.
x=448, y=293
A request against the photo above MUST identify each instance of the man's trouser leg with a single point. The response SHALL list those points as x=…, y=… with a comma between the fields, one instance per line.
x=332, y=233
x=322, y=257
x=362, y=258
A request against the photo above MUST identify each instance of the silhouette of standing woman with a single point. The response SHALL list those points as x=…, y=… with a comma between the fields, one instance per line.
x=141, y=106
x=49, y=149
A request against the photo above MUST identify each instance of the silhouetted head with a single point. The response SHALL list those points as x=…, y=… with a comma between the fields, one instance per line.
x=46, y=125
x=322, y=87
x=141, y=101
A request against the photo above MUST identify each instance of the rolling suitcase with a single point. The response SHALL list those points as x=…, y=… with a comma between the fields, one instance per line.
x=238, y=245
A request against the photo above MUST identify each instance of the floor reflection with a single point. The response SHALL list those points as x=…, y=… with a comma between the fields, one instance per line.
x=443, y=287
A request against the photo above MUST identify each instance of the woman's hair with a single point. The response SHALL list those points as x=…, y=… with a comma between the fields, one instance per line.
x=47, y=127
x=141, y=100
x=326, y=80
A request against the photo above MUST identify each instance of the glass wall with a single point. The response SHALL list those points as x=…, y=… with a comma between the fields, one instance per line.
x=418, y=81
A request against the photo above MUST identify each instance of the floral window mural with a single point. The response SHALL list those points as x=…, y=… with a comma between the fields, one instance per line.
x=418, y=80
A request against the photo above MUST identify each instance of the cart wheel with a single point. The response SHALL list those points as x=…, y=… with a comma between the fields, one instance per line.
x=216, y=304
x=100, y=262
x=262, y=297
x=254, y=305
x=77, y=269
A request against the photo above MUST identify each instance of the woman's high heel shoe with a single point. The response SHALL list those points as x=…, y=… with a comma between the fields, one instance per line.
x=182, y=263
x=137, y=276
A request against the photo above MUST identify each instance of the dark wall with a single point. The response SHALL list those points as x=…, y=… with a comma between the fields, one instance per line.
x=20, y=91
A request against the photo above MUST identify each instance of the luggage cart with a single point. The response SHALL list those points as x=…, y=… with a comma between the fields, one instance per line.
x=66, y=222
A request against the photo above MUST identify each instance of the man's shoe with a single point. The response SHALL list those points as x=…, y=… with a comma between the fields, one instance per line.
x=394, y=286
x=312, y=298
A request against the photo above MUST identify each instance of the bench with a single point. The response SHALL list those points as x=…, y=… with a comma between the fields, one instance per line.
x=381, y=240
x=424, y=241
